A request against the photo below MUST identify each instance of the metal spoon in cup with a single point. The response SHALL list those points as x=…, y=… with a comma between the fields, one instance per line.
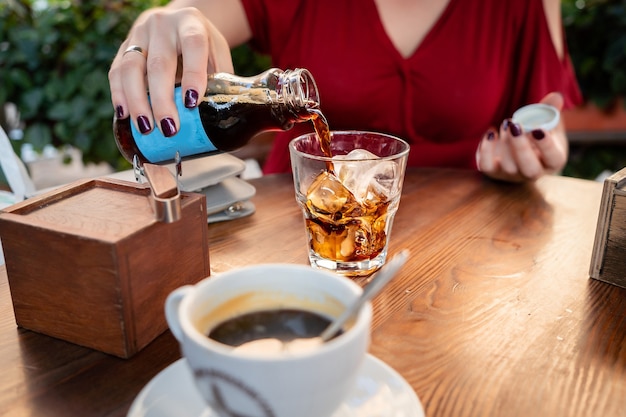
x=378, y=282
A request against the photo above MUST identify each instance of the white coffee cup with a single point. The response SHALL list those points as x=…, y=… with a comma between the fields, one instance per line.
x=308, y=383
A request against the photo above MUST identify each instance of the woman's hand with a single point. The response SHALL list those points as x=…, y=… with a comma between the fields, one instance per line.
x=152, y=57
x=512, y=155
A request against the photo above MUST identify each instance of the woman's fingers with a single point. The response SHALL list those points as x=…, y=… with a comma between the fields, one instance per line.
x=194, y=44
x=512, y=155
x=127, y=79
x=161, y=67
x=515, y=155
x=220, y=59
x=203, y=50
x=508, y=164
x=552, y=151
x=486, y=160
x=526, y=157
x=178, y=46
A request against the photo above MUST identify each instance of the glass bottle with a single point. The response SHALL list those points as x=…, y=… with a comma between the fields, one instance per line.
x=232, y=111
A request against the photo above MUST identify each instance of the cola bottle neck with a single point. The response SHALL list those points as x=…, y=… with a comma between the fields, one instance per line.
x=298, y=91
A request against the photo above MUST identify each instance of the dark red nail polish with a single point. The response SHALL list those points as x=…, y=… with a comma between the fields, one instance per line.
x=538, y=134
x=144, y=124
x=168, y=127
x=119, y=111
x=191, y=98
x=515, y=129
x=505, y=124
x=491, y=135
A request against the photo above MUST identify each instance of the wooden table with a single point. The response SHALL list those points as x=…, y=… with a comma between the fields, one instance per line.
x=494, y=315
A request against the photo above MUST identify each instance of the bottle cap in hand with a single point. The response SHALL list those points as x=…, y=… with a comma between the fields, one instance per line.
x=537, y=116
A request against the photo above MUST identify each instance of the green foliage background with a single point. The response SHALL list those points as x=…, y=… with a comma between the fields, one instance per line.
x=596, y=36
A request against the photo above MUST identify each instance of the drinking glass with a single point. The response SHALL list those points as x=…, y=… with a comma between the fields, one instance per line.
x=349, y=200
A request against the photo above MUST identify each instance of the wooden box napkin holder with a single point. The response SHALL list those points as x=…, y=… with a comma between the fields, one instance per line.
x=608, y=261
x=93, y=262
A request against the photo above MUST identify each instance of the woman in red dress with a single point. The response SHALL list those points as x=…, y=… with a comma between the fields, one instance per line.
x=446, y=75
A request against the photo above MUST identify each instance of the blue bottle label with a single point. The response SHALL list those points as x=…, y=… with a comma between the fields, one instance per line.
x=191, y=138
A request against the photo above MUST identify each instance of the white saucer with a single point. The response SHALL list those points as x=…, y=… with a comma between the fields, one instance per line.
x=380, y=392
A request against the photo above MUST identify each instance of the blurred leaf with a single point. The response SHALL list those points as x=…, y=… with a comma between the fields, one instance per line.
x=19, y=79
x=60, y=111
x=38, y=134
x=29, y=103
x=82, y=141
x=64, y=132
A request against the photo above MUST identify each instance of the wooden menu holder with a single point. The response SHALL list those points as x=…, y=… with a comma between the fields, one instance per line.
x=92, y=262
x=608, y=262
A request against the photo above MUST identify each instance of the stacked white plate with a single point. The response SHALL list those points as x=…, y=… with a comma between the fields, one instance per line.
x=218, y=178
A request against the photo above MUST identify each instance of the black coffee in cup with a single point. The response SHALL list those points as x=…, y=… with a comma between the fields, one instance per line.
x=272, y=330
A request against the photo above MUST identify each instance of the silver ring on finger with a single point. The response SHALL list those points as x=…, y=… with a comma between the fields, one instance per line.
x=136, y=48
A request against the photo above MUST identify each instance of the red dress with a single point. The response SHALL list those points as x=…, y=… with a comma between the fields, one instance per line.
x=480, y=62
